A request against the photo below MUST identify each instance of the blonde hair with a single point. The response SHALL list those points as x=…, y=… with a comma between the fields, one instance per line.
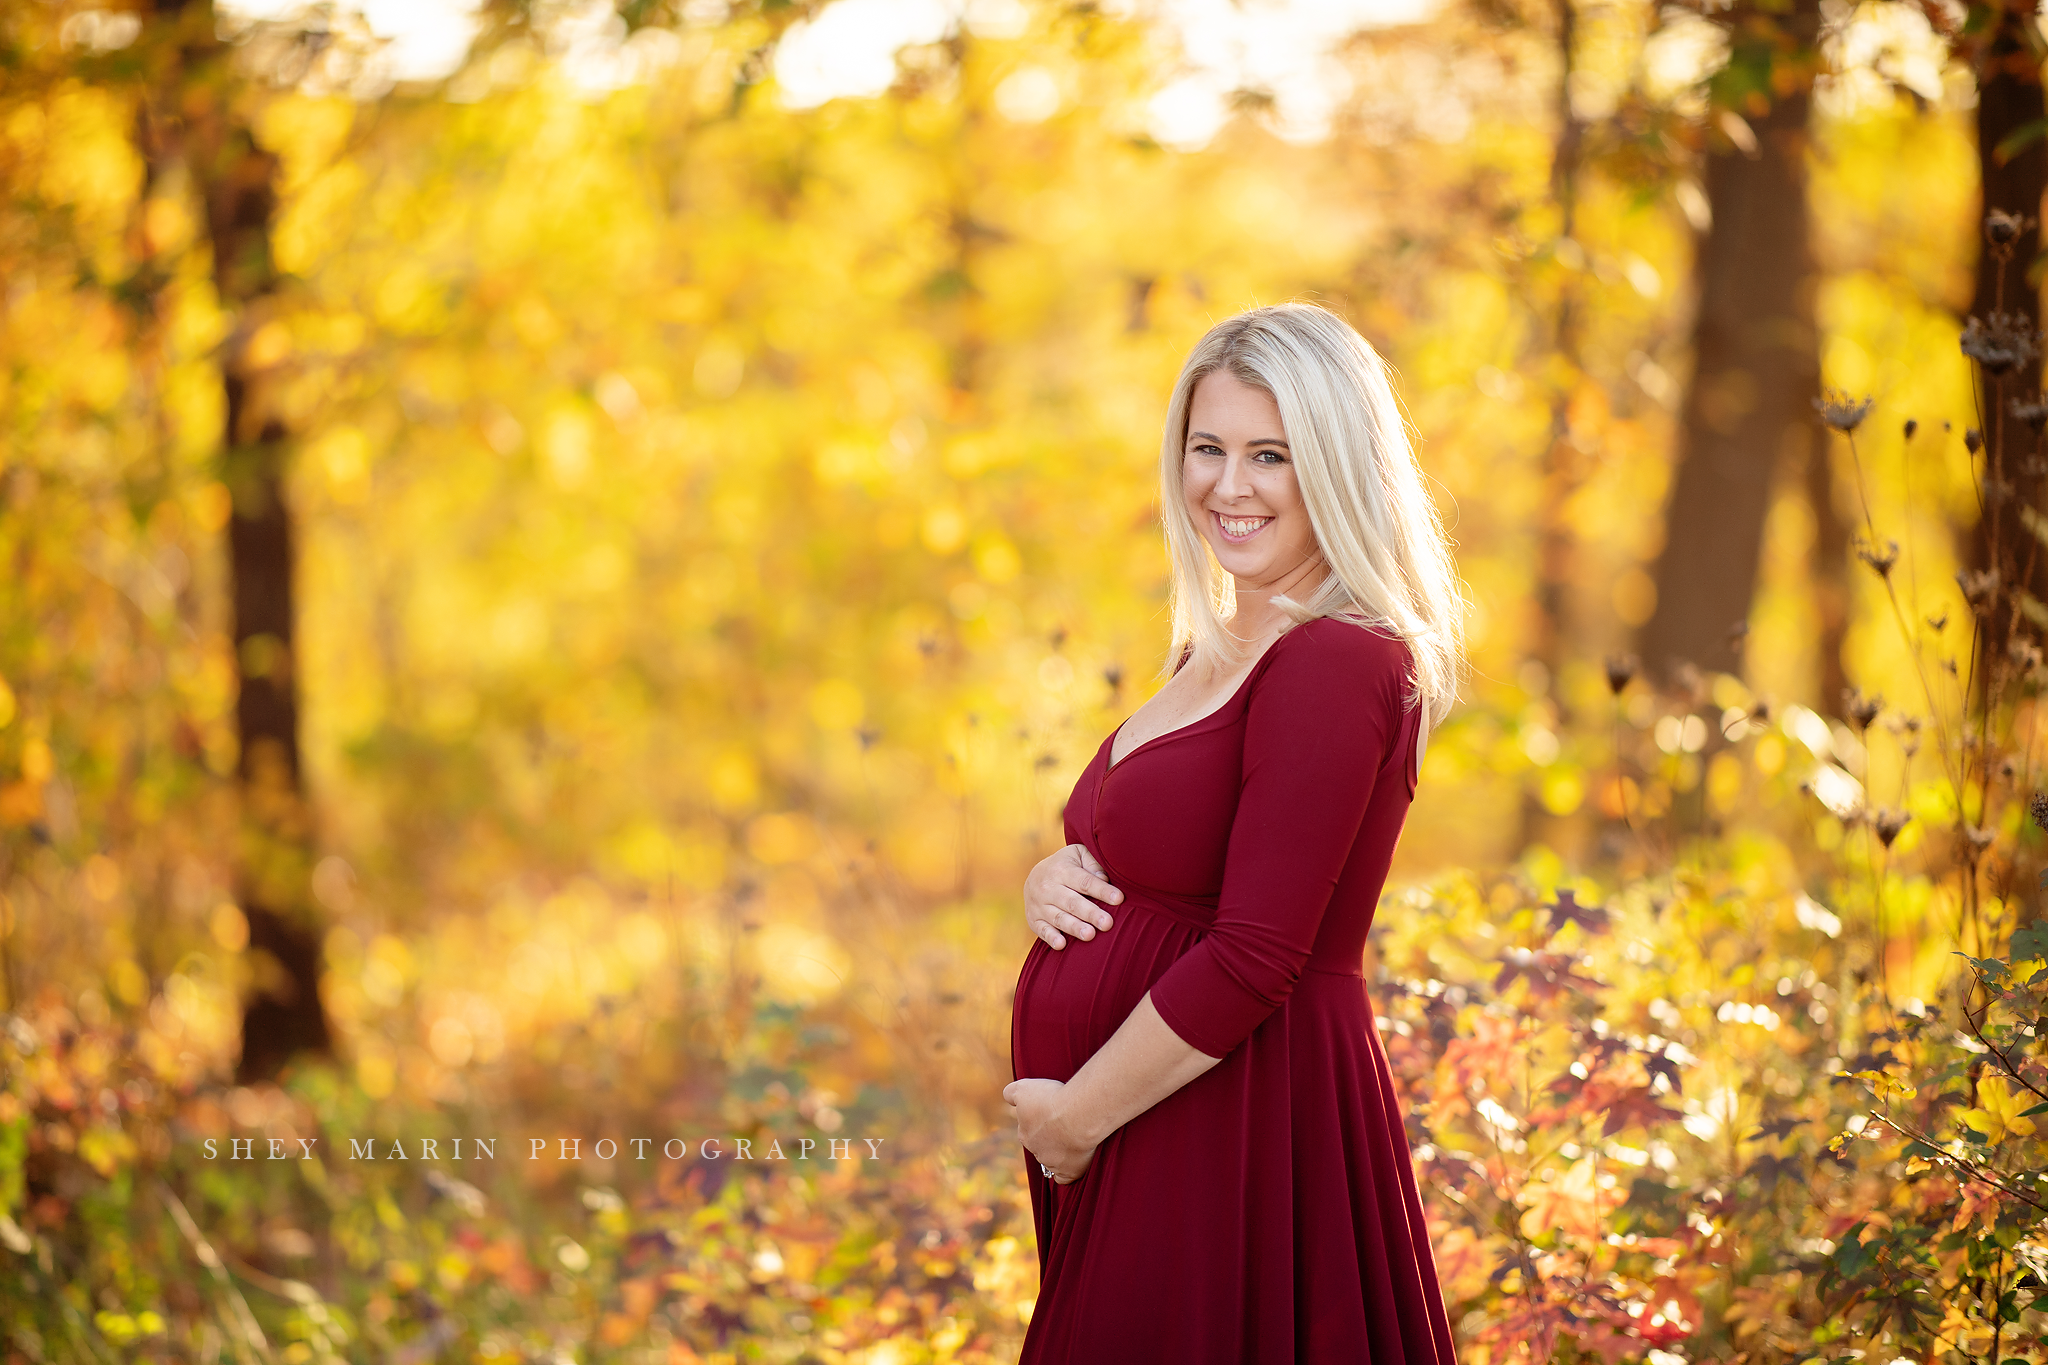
x=1390, y=560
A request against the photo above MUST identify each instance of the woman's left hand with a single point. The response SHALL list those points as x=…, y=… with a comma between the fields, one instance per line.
x=1036, y=1104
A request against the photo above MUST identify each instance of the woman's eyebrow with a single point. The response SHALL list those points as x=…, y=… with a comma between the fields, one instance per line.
x=1262, y=441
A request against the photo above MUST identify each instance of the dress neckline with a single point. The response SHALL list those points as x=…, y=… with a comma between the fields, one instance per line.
x=1112, y=763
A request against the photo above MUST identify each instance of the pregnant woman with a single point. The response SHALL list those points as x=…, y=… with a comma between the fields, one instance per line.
x=1218, y=1170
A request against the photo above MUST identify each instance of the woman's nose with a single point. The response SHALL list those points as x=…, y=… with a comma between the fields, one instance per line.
x=1231, y=483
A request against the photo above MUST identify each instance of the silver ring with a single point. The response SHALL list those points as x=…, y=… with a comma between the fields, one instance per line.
x=1045, y=1170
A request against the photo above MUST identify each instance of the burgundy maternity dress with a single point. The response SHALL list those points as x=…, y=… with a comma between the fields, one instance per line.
x=1267, y=1211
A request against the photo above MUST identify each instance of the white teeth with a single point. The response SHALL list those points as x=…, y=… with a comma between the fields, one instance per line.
x=1243, y=528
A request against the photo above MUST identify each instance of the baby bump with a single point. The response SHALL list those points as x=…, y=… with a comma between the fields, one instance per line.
x=1070, y=1002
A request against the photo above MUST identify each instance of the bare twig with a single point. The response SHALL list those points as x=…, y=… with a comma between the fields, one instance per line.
x=1962, y=1163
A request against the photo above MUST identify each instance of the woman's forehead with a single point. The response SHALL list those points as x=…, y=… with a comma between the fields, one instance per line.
x=1220, y=396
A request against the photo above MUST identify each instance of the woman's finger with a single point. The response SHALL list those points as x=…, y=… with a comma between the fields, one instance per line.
x=1055, y=924
x=1081, y=884
x=1072, y=922
x=1051, y=915
x=1088, y=883
x=1080, y=906
x=1085, y=910
x=1096, y=887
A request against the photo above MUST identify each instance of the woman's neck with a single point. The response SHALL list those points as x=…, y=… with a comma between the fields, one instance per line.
x=1257, y=618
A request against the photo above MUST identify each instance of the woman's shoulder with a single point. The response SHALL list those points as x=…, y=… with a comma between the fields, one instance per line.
x=1342, y=647
x=1332, y=677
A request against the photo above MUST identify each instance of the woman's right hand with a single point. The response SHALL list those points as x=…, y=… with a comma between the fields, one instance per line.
x=1056, y=896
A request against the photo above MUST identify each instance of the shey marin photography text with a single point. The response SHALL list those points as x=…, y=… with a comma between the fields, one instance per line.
x=545, y=1149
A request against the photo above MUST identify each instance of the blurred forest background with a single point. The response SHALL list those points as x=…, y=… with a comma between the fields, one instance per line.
x=555, y=583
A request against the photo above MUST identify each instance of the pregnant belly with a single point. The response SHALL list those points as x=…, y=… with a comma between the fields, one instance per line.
x=1070, y=1002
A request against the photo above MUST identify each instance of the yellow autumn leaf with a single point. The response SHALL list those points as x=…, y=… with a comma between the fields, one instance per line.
x=1886, y=1086
x=1571, y=1205
x=1999, y=1116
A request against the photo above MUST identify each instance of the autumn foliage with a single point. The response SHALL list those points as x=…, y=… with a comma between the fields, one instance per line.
x=720, y=532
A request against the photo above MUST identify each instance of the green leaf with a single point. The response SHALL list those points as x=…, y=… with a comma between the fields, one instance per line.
x=2019, y=139
x=2030, y=940
x=1852, y=1257
x=1992, y=970
x=2037, y=1109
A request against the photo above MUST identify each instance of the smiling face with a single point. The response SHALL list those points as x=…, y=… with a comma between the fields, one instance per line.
x=1238, y=478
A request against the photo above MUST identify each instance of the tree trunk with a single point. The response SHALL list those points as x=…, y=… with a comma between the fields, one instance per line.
x=1564, y=466
x=2008, y=99
x=207, y=125
x=1750, y=403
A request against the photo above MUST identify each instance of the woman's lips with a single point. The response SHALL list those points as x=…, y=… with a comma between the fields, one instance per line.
x=1223, y=525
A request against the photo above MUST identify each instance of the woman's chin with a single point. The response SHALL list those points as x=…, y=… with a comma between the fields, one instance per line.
x=1241, y=561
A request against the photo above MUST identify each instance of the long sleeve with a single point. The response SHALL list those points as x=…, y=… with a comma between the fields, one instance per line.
x=1319, y=726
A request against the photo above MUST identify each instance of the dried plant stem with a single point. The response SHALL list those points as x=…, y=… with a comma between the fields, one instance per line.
x=1955, y=760
x=1621, y=791
x=2027, y=750
x=1994, y=476
x=2019, y=592
x=1912, y=557
x=2034, y=538
x=1906, y=631
x=1987, y=388
x=1884, y=979
x=1620, y=781
x=1972, y=905
x=1958, y=776
x=1862, y=493
x=249, y=1339
x=1997, y=1322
